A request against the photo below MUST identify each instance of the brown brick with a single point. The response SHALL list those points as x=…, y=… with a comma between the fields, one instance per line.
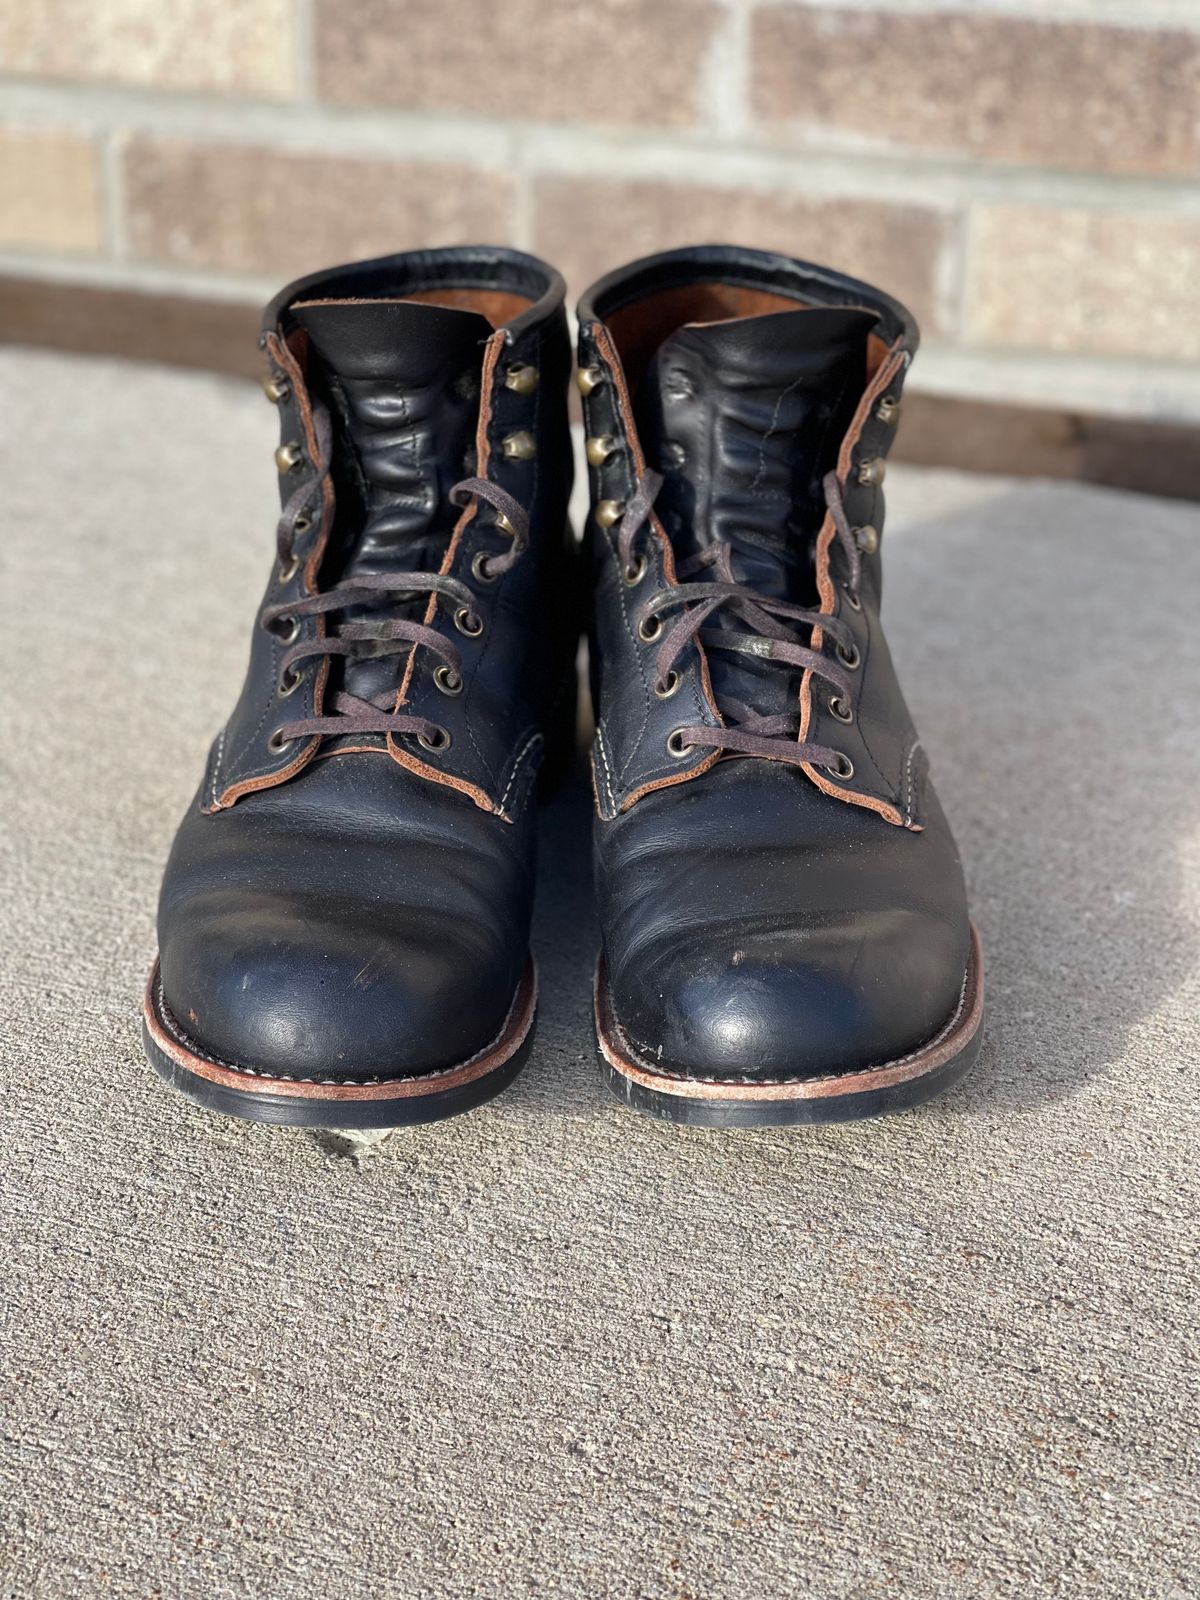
x=1002, y=88
x=587, y=229
x=247, y=48
x=251, y=210
x=1088, y=282
x=49, y=191
x=609, y=61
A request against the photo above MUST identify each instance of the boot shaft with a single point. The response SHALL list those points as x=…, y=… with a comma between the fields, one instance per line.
x=749, y=382
x=396, y=380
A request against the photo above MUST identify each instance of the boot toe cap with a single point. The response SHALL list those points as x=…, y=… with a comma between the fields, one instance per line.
x=307, y=992
x=799, y=1004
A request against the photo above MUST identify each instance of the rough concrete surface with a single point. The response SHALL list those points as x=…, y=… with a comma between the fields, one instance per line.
x=552, y=1347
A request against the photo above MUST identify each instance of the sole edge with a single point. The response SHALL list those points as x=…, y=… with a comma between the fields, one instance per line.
x=837, y=1097
x=301, y=1103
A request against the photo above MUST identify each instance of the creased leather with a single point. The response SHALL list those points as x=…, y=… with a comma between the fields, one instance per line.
x=354, y=919
x=756, y=926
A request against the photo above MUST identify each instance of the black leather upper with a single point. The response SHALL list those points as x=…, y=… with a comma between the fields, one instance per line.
x=363, y=910
x=759, y=920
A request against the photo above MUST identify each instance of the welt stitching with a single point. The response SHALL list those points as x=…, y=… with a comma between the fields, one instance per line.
x=167, y=1018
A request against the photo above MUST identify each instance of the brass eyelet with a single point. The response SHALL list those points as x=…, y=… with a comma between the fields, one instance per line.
x=609, y=512
x=289, y=456
x=839, y=708
x=635, y=571
x=678, y=746
x=286, y=629
x=288, y=569
x=437, y=740
x=275, y=388
x=599, y=448
x=848, y=655
x=888, y=410
x=872, y=473
x=505, y=525
x=479, y=568
x=844, y=769
x=664, y=688
x=302, y=523
x=867, y=539
x=588, y=379
x=649, y=629
x=519, y=446
x=852, y=599
x=468, y=622
x=447, y=680
x=289, y=682
x=277, y=744
x=520, y=378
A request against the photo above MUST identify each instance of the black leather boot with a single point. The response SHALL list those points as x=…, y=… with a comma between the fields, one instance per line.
x=785, y=931
x=344, y=921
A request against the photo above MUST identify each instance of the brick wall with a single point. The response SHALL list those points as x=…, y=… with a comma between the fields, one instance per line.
x=1025, y=173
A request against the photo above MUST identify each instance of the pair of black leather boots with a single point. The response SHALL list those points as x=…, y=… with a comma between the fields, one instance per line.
x=344, y=923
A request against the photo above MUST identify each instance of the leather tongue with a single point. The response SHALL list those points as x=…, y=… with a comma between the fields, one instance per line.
x=402, y=381
x=743, y=418
x=403, y=378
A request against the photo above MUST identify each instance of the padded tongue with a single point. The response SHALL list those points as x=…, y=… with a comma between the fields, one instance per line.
x=743, y=418
x=409, y=342
x=402, y=380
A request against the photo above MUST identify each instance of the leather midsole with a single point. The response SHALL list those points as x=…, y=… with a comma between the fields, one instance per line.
x=250, y=1081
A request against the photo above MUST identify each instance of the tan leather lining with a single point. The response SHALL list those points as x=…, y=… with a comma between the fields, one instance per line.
x=640, y=328
x=497, y=305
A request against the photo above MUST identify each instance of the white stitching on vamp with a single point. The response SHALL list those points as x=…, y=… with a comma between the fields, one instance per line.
x=518, y=758
x=608, y=777
x=217, y=767
x=916, y=745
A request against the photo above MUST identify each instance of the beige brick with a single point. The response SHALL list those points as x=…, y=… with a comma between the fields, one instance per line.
x=1005, y=89
x=608, y=61
x=587, y=229
x=1088, y=282
x=49, y=192
x=246, y=47
x=251, y=210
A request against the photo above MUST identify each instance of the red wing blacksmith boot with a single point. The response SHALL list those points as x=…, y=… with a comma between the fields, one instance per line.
x=344, y=922
x=785, y=931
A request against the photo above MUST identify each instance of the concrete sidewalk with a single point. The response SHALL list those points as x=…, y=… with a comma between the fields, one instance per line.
x=552, y=1348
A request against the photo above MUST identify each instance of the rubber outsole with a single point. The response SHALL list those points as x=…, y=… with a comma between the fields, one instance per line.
x=242, y=1091
x=871, y=1091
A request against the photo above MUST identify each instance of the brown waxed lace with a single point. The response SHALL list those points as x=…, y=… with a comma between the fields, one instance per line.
x=768, y=637
x=361, y=639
